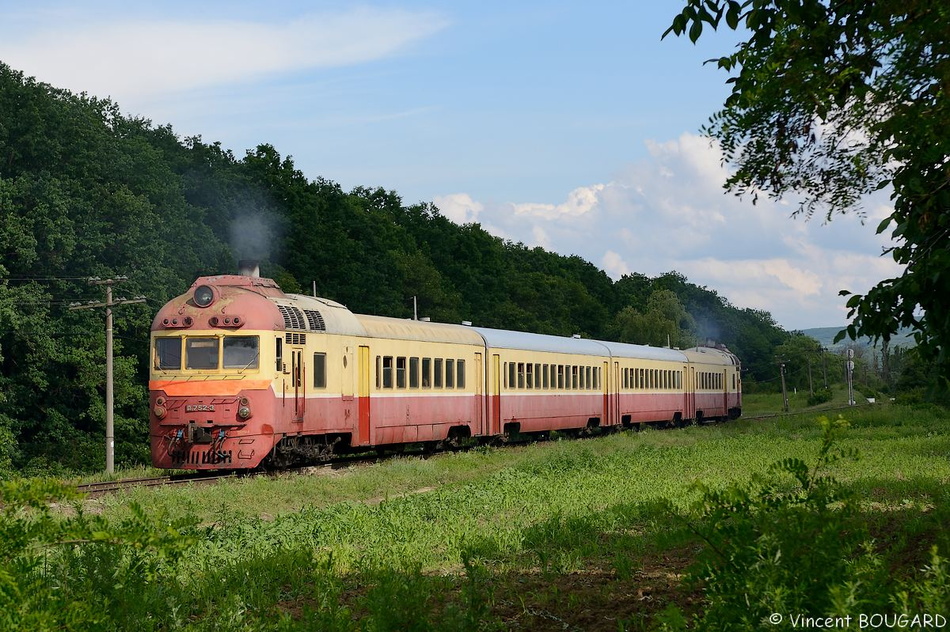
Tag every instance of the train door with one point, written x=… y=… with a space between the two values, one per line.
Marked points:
x=298 y=375
x=479 y=396
x=689 y=406
x=363 y=406
x=348 y=371
x=609 y=418
x=494 y=392
x=725 y=393
x=615 y=389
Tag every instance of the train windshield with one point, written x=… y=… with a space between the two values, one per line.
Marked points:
x=241 y=352
x=207 y=353
x=201 y=353
x=168 y=354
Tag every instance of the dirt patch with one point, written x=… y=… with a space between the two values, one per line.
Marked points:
x=595 y=599
x=377 y=500
x=590 y=600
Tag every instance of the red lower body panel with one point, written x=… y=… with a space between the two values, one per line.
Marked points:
x=208 y=431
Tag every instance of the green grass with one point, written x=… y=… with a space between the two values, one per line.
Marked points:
x=560 y=533
x=771 y=403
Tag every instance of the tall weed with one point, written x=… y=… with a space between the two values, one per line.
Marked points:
x=79 y=572
x=772 y=547
x=794 y=543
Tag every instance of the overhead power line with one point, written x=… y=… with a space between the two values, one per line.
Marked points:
x=28 y=279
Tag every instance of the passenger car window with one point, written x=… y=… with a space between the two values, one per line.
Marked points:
x=319 y=370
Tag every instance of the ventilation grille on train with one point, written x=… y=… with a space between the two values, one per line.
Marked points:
x=315 y=320
x=295 y=318
x=296 y=339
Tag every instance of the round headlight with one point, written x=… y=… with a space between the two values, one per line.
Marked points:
x=204 y=296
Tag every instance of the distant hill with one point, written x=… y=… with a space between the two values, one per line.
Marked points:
x=826 y=335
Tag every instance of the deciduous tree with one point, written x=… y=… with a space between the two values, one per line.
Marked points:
x=834 y=100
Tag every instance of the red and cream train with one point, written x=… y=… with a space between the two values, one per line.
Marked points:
x=242 y=373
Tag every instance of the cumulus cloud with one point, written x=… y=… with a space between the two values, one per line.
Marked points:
x=459 y=207
x=132 y=59
x=580 y=202
x=614 y=265
x=670 y=212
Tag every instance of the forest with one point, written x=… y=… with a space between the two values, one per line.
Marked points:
x=89 y=193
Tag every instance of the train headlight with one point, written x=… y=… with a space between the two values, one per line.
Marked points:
x=204 y=295
x=159 y=409
x=244 y=410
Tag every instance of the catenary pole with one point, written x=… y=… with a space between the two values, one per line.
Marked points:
x=108 y=304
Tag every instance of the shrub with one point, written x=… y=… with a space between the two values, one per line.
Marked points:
x=776 y=551
x=772 y=547
x=820 y=396
x=73 y=573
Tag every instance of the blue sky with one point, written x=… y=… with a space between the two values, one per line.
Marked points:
x=566 y=125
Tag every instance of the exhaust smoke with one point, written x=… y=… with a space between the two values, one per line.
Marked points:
x=249 y=268
x=253 y=235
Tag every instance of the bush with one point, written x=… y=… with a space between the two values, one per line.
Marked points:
x=779 y=550
x=820 y=396
x=75 y=573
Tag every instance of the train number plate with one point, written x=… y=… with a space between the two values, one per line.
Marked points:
x=199 y=408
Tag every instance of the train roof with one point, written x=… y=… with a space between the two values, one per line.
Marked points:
x=504 y=339
x=711 y=355
x=302 y=312
x=421 y=330
x=643 y=352
x=310 y=313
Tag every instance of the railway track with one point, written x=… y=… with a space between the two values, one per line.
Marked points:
x=106 y=487
x=97 y=489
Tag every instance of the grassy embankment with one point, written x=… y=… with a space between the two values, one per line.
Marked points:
x=592 y=534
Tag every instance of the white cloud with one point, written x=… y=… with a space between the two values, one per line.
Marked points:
x=539 y=237
x=580 y=202
x=670 y=212
x=134 y=59
x=614 y=265
x=763 y=274
x=459 y=207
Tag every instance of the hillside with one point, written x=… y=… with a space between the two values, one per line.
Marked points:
x=826 y=335
x=88 y=192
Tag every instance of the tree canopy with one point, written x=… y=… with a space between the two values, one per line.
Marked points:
x=834 y=100
x=87 y=192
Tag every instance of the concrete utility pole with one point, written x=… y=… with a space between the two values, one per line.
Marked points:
x=824 y=365
x=108 y=304
x=784 y=392
x=850 y=368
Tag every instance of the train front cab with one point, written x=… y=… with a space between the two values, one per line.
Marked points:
x=206 y=388
x=211 y=374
